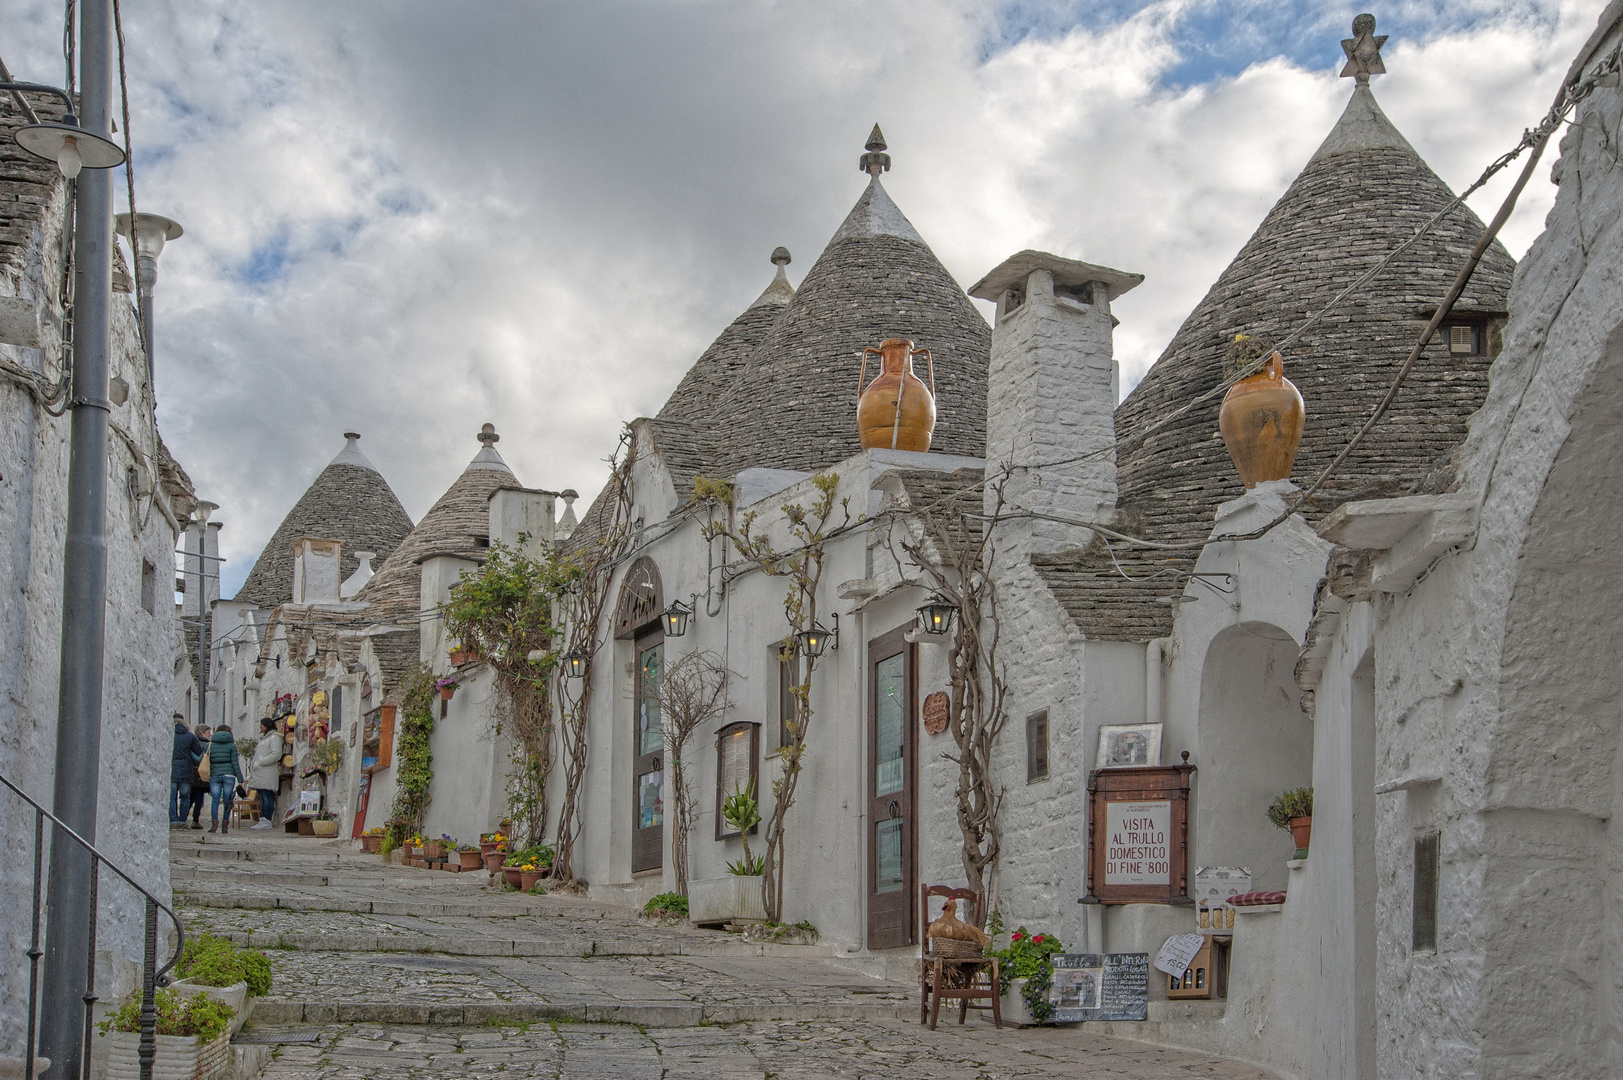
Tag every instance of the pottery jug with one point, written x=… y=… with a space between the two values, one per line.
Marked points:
x=896 y=411
x=1261 y=422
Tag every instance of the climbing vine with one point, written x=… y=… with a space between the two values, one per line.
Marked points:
x=810 y=527
x=504 y=616
x=414 y=753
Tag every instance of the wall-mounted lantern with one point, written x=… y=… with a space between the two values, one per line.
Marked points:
x=812 y=642
x=936 y=615
x=675 y=618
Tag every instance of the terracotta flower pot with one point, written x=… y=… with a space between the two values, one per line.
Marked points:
x=511 y=875
x=446 y=692
x=896 y=411
x=408 y=851
x=1261 y=422
x=528 y=878
x=458 y=657
x=433 y=850
x=371 y=844
x=470 y=859
x=493 y=861
x=1301 y=832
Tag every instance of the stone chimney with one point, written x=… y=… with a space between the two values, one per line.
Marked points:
x=357 y=581
x=525 y=513
x=1051 y=390
x=315 y=571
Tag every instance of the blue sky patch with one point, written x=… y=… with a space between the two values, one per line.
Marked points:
x=266 y=263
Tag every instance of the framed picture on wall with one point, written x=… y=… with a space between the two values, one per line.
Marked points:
x=1127 y=745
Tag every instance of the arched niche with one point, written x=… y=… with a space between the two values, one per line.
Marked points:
x=642 y=598
x=1255 y=742
x=1552 y=830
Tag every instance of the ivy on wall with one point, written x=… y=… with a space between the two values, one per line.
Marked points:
x=414 y=756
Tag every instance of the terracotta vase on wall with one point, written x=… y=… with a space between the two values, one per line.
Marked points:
x=896 y=411
x=1261 y=421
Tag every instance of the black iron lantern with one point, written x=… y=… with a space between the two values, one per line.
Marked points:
x=935 y=616
x=675 y=618
x=575 y=664
x=812 y=642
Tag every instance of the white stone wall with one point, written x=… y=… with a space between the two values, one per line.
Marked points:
x=137 y=730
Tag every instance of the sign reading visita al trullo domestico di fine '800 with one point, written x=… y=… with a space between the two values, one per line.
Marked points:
x=1138 y=835
x=1138 y=843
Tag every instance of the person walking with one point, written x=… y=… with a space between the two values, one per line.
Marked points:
x=224 y=769
x=188 y=752
x=200 y=785
x=266 y=775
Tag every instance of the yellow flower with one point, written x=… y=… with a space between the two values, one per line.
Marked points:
x=528 y=867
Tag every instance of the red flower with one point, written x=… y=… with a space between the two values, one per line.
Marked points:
x=1018 y=936
x=1038 y=940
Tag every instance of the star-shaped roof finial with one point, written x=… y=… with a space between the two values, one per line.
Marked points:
x=875 y=161
x=1363 y=51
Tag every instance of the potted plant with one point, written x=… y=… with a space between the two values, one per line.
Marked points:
x=1293 y=811
x=446 y=686
x=469 y=856
x=1026 y=973
x=193 y=1038
x=434 y=850
x=493 y=841
x=325 y=824
x=372 y=840
x=459 y=655
x=735 y=897
x=528 y=875
x=218 y=968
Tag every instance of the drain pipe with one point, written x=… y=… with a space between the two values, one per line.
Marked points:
x=1154 y=659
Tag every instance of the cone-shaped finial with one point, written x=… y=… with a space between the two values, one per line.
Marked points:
x=1363 y=51
x=487 y=435
x=875 y=161
x=780 y=256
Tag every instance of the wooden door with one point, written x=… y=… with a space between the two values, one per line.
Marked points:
x=648 y=747
x=892 y=791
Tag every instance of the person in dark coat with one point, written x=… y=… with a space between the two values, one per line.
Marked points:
x=224 y=769
x=200 y=786
x=182 y=766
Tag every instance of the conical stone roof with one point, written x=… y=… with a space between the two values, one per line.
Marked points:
x=350 y=501
x=794 y=404
x=1364 y=192
x=458 y=524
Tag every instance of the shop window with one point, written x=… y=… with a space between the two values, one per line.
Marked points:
x=149 y=587
x=1426 y=869
x=1037 y=747
x=737 y=754
x=788 y=679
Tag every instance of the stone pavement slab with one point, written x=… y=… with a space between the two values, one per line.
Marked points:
x=857 y=1049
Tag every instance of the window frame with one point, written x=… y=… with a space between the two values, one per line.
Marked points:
x=1479 y=336
x=1426 y=892
x=723 y=831
x=1038 y=719
x=788 y=676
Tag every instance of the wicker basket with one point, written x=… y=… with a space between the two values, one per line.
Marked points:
x=953 y=949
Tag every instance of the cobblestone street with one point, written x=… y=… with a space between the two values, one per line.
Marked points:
x=384 y=970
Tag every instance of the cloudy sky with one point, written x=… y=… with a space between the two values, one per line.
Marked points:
x=408 y=218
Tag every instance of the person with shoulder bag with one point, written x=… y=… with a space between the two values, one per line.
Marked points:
x=200 y=776
x=266 y=775
x=223 y=770
x=188 y=751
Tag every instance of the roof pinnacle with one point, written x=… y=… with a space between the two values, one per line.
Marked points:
x=487 y=435
x=1363 y=51
x=780 y=256
x=875 y=161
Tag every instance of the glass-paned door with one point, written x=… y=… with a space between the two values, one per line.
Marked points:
x=892 y=796
x=648 y=743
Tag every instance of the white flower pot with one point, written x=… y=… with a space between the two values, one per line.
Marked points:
x=235 y=995
x=179 y=1057
x=730 y=898
x=1013 y=1006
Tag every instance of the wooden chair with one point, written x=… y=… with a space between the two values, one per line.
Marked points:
x=964 y=979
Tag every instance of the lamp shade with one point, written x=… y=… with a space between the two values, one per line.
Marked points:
x=675 y=618
x=70 y=146
x=149 y=233
x=936 y=615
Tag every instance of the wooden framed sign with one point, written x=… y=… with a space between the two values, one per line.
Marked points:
x=1138 y=835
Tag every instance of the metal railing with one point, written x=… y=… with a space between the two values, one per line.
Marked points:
x=152 y=976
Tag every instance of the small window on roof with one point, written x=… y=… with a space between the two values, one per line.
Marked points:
x=481 y=541
x=1464 y=337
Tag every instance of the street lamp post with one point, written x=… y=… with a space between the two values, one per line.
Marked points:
x=147 y=234
x=204 y=509
x=68 y=994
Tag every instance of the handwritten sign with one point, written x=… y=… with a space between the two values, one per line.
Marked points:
x=1100 y=986
x=1138 y=843
x=1175 y=955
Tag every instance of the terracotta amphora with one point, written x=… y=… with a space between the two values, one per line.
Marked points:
x=896 y=411
x=1261 y=421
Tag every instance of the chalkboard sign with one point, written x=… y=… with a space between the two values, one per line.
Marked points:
x=1100 y=986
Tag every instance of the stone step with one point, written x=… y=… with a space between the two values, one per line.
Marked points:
x=258 y=877
x=482 y=1014
x=569 y=948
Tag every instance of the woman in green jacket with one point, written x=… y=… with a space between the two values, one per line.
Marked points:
x=224 y=768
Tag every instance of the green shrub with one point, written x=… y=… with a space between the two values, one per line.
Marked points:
x=215 y=961
x=178 y=1014
x=666 y=903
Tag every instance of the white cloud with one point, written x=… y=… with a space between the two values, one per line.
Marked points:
x=410 y=218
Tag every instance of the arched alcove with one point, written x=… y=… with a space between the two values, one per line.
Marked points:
x=1255 y=742
x=1552 y=840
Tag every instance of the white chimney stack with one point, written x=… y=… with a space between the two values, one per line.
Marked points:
x=357 y=581
x=315 y=571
